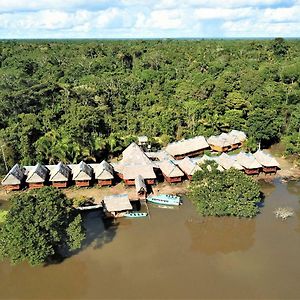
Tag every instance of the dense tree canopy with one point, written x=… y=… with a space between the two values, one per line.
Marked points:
x=227 y=193
x=73 y=100
x=38 y=225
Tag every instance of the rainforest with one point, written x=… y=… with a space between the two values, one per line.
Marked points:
x=72 y=100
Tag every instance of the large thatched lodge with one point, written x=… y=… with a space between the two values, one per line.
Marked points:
x=177 y=162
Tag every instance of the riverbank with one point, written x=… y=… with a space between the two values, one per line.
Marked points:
x=288 y=171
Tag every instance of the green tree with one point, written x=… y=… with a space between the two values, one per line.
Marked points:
x=39 y=224
x=227 y=193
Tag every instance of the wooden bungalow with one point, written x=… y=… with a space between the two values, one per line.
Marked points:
x=269 y=164
x=220 y=143
x=104 y=173
x=140 y=186
x=240 y=136
x=227 y=162
x=37 y=176
x=188 y=167
x=14 y=179
x=190 y=147
x=171 y=172
x=116 y=205
x=249 y=163
x=132 y=171
x=82 y=174
x=135 y=162
x=60 y=175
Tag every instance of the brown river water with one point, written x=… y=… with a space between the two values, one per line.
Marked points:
x=175 y=255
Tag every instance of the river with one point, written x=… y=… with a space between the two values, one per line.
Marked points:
x=175 y=255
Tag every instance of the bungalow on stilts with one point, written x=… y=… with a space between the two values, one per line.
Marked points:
x=135 y=162
x=60 y=175
x=188 y=167
x=37 y=176
x=269 y=164
x=82 y=174
x=190 y=147
x=14 y=179
x=171 y=172
x=250 y=164
x=104 y=173
x=116 y=206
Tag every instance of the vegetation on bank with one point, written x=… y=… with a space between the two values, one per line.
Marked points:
x=78 y=100
x=39 y=225
x=3 y=214
x=227 y=193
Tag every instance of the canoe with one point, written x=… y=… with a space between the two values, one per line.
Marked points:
x=165 y=199
x=135 y=214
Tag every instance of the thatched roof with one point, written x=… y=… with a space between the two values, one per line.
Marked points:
x=119 y=202
x=187 y=146
x=188 y=166
x=223 y=140
x=265 y=159
x=228 y=162
x=135 y=162
x=140 y=184
x=159 y=155
x=169 y=169
x=103 y=171
x=248 y=161
x=14 y=176
x=220 y=141
x=134 y=155
x=132 y=171
x=60 y=173
x=240 y=135
x=37 y=174
x=82 y=171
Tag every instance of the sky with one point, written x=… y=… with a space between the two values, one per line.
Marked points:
x=149 y=19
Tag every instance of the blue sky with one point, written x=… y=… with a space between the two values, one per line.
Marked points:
x=148 y=19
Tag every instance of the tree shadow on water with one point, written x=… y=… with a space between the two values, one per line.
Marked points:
x=99 y=231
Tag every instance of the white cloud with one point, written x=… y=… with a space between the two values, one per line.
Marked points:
x=148 y=18
x=224 y=13
x=285 y=14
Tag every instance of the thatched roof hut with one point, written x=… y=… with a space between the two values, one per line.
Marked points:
x=188 y=166
x=265 y=159
x=169 y=169
x=189 y=147
x=228 y=162
x=60 y=173
x=248 y=161
x=82 y=172
x=117 y=203
x=134 y=155
x=37 y=174
x=103 y=171
x=15 y=176
x=132 y=171
x=240 y=135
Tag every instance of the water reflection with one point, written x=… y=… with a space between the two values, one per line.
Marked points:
x=224 y=235
x=294 y=187
x=99 y=232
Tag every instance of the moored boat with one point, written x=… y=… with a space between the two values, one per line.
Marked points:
x=135 y=214
x=165 y=199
